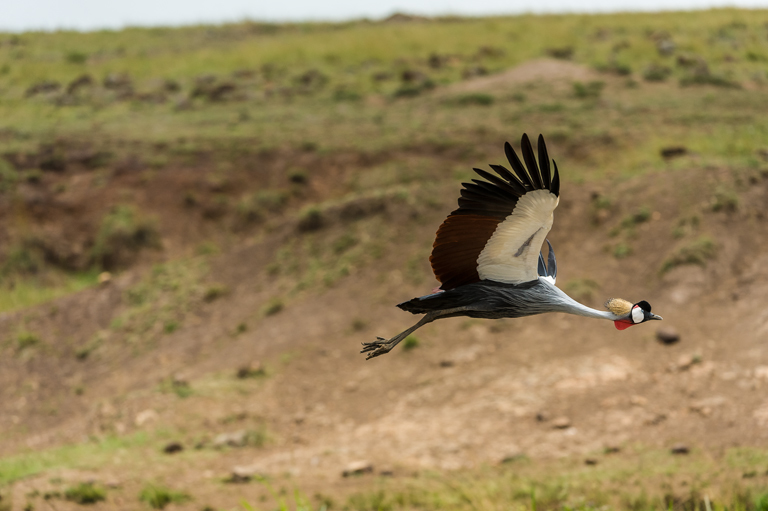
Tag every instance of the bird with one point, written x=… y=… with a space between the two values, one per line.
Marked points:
x=487 y=253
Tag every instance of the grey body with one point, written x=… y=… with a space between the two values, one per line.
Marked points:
x=494 y=300
x=487 y=299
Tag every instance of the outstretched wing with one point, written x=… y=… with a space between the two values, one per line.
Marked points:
x=501 y=223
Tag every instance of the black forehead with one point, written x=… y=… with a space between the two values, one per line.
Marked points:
x=644 y=305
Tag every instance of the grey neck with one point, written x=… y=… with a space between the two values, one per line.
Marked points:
x=569 y=305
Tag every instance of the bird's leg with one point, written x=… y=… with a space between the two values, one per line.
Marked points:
x=382 y=346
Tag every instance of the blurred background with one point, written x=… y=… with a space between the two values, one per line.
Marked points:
x=200 y=223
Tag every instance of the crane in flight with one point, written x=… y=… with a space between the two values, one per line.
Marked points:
x=487 y=256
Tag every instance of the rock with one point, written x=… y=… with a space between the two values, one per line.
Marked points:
x=612 y=449
x=357 y=468
x=447 y=363
x=104 y=278
x=245 y=473
x=665 y=47
x=638 y=401
x=144 y=417
x=81 y=81
x=117 y=81
x=679 y=449
x=233 y=439
x=673 y=152
x=561 y=423
x=251 y=370
x=667 y=335
x=43 y=87
x=542 y=416
x=590 y=461
x=173 y=448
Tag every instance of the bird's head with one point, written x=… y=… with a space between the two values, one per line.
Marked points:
x=629 y=314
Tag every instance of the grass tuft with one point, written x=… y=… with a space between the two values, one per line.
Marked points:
x=697 y=252
x=158 y=497
x=85 y=493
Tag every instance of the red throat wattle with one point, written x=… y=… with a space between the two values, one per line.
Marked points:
x=623 y=324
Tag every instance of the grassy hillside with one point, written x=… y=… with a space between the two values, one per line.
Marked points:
x=199 y=225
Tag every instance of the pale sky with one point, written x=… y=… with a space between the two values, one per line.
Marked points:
x=20 y=15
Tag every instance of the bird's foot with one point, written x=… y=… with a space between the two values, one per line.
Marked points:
x=380 y=346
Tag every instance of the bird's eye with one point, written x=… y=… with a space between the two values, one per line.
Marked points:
x=637 y=314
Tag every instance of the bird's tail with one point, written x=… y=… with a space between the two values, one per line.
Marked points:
x=424 y=304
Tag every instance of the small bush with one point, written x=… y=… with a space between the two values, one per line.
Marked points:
x=215 y=291
x=158 y=496
x=256 y=206
x=477 y=98
x=121 y=235
x=22 y=259
x=85 y=493
x=708 y=79
x=8 y=176
x=725 y=200
x=640 y=216
x=311 y=219
x=591 y=89
x=698 y=252
x=76 y=57
x=656 y=73
x=26 y=340
x=622 y=250
x=346 y=95
x=274 y=306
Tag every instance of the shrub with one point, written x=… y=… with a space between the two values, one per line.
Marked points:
x=656 y=73
x=122 y=234
x=698 y=252
x=158 y=496
x=274 y=306
x=215 y=291
x=26 y=340
x=476 y=98
x=8 y=176
x=85 y=493
x=591 y=89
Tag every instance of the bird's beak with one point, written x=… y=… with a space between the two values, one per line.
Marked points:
x=654 y=316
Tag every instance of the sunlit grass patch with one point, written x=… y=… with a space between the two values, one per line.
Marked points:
x=84 y=455
x=697 y=252
x=31 y=291
x=85 y=493
x=158 y=497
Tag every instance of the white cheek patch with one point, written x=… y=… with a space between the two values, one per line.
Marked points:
x=637 y=314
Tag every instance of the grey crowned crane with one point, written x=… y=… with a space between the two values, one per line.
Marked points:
x=487 y=256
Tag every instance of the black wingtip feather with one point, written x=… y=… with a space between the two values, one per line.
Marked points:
x=555 y=186
x=546 y=176
x=530 y=162
x=517 y=166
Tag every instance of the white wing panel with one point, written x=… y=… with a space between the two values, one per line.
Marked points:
x=511 y=254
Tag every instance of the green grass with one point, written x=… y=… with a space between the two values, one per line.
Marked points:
x=158 y=497
x=697 y=252
x=87 y=455
x=31 y=291
x=85 y=493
